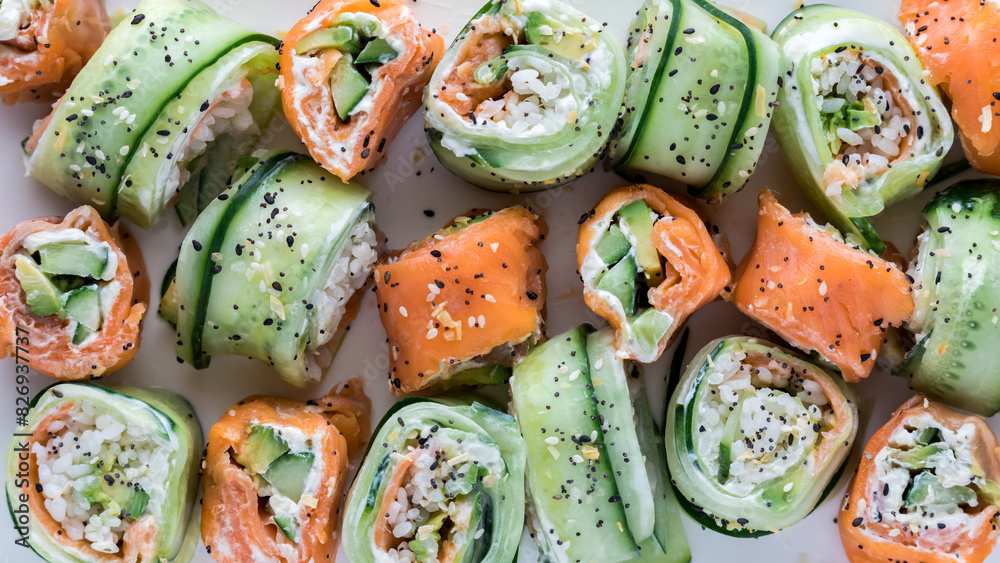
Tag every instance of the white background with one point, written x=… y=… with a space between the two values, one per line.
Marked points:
x=411 y=181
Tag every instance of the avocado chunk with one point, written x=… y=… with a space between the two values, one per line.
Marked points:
x=81 y=334
x=83 y=260
x=170 y=303
x=620 y=282
x=376 y=51
x=613 y=246
x=639 y=219
x=555 y=36
x=288 y=474
x=928 y=436
x=428 y=538
x=927 y=490
x=491 y=71
x=289 y=525
x=348 y=87
x=917 y=458
x=262 y=447
x=41 y=296
x=650 y=327
x=83 y=305
x=462 y=222
x=128 y=496
x=342 y=38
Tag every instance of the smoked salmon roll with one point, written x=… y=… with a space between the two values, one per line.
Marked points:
x=755 y=435
x=352 y=73
x=171 y=100
x=442 y=481
x=105 y=475
x=926 y=489
x=527 y=96
x=806 y=282
x=274 y=477
x=647 y=262
x=75 y=288
x=858 y=122
x=273 y=273
x=464 y=300
x=44 y=44
x=966 y=69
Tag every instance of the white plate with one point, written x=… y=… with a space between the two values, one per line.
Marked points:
x=412 y=181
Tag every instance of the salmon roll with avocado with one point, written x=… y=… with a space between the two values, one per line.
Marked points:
x=526 y=97
x=44 y=44
x=464 y=304
x=77 y=289
x=647 y=262
x=106 y=475
x=926 y=489
x=274 y=477
x=819 y=290
x=352 y=73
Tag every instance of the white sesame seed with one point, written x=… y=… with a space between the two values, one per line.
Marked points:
x=472 y=322
x=304 y=250
x=432 y=333
x=495 y=246
x=822 y=288
x=123 y=151
x=578 y=458
x=552 y=440
x=402 y=311
x=599 y=363
x=482 y=321
x=489 y=298
x=574 y=376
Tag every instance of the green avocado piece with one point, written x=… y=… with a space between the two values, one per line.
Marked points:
x=376 y=51
x=42 y=296
x=343 y=38
x=288 y=474
x=83 y=260
x=620 y=282
x=425 y=545
x=928 y=436
x=83 y=305
x=131 y=498
x=348 y=87
x=916 y=458
x=262 y=447
x=650 y=327
x=637 y=216
x=927 y=490
x=613 y=246
x=555 y=36
x=289 y=525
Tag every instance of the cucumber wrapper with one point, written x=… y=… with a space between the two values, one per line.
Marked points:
x=565 y=49
x=597 y=477
x=955 y=322
x=125 y=126
x=740 y=396
x=699 y=97
x=485 y=457
x=814 y=34
x=254 y=271
x=158 y=503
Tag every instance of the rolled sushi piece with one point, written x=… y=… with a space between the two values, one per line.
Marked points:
x=953 y=324
x=596 y=472
x=964 y=70
x=699 y=97
x=274 y=477
x=755 y=435
x=106 y=474
x=352 y=73
x=647 y=262
x=927 y=489
x=463 y=305
x=271 y=269
x=858 y=122
x=819 y=290
x=171 y=100
x=526 y=97
x=44 y=44
x=443 y=480
x=73 y=292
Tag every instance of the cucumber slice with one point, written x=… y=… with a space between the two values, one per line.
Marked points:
x=343 y=38
x=556 y=36
x=80 y=334
x=262 y=448
x=620 y=282
x=83 y=306
x=288 y=473
x=376 y=51
x=132 y=500
x=927 y=490
x=41 y=295
x=83 y=260
x=638 y=217
x=289 y=525
x=613 y=246
x=650 y=327
x=348 y=87
x=492 y=71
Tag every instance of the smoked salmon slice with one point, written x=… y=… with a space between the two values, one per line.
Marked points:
x=78 y=289
x=275 y=473
x=352 y=73
x=802 y=281
x=467 y=298
x=42 y=52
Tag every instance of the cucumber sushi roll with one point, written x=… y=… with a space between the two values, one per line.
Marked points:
x=76 y=290
x=274 y=476
x=272 y=268
x=755 y=435
x=954 y=325
x=596 y=473
x=699 y=97
x=647 y=262
x=174 y=96
x=443 y=480
x=526 y=97
x=106 y=474
x=858 y=122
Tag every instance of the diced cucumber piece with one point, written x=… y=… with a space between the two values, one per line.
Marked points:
x=81 y=334
x=650 y=327
x=620 y=282
x=83 y=260
x=348 y=87
x=41 y=295
x=491 y=71
x=170 y=304
x=376 y=51
x=425 y=544
x=83 y=305
x=263 y=446
x=288 y=474
x=342 y=38
x=289 y=525
x=114 y=489
x=570 y=42
x=927 y=490
x=916 y=458
x=928 y=435
x=613 y=246
x=639 y=219
x=728 y=437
